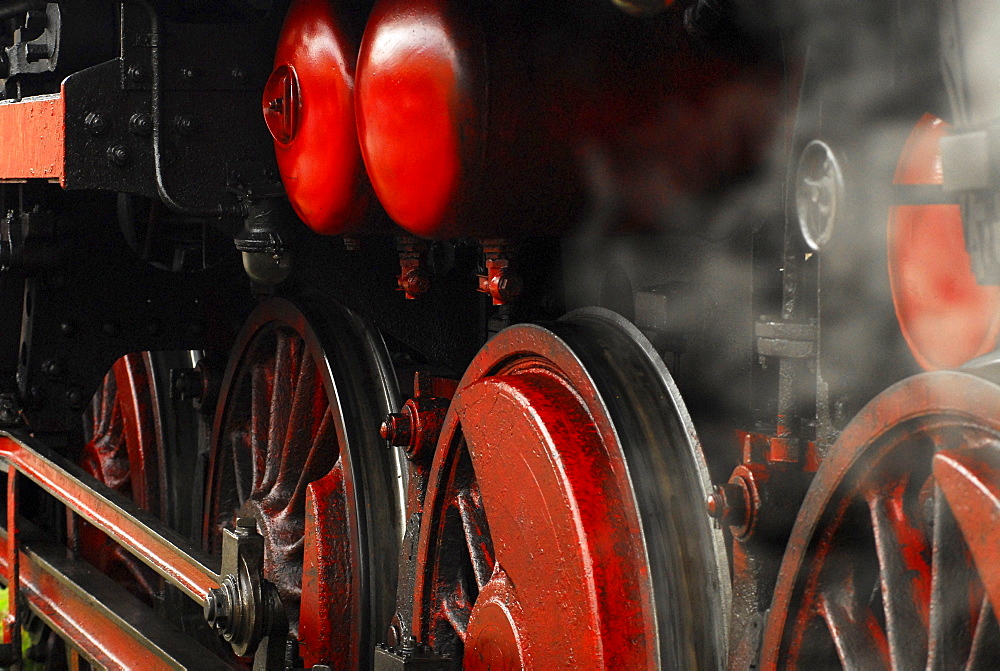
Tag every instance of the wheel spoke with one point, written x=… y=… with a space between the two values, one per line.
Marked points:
x=308 y=411
x=477 y=533
x=259 y=420
x=952 y=574
x=457 y=608
x=322 y=458
x=986 y=640
x=903 y=575
x=276 y=418
x=285 y=374
x=242 y=464
x=858 y=637
x=102 y=407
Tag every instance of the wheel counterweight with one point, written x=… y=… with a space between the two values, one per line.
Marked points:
x=564 y=521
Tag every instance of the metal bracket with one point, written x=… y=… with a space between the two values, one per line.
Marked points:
x=410 y=656
x=245 y=609
x=779 y=338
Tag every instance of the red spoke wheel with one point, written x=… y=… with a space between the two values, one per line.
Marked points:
x=125 y=451
x=295 y=445
x=878 y=573
x=564 y=521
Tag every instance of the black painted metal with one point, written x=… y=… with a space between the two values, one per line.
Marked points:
x=103 y=301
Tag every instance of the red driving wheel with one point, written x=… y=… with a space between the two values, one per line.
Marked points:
x=547 y=539
x=878 y=571
x=295 y=445
x=124 y=450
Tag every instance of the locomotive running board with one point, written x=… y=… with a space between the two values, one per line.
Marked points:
x=73 y=597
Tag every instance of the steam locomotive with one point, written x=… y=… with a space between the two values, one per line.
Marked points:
x=427 y=334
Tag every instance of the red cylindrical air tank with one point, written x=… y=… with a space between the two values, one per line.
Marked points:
x=487 y=119
x=309 y=109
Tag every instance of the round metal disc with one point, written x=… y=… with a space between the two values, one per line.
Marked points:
x=570 y=478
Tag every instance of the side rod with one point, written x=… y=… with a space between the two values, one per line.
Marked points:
x=160 y=548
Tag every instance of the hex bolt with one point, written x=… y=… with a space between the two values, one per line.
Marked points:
x=135 y=74
x=238 y=74
x=409 y=646
x=715 y=504
x=217 y=608
x=9 y=412
x=96 y=123
x=67 y=328
x=118 y=154
x=727 y=503
x=415 y=282
x=509 y=286
x=189 y=74
x=140 y=124
x=244 y=523
x=397 y=429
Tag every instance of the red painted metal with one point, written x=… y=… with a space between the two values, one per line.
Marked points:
x=325 y=613
x=417 y=426
x=309 y=109
x=470 y=125
x=124 y=451
x=970 y=480
x=12 y=573
x=946 y=316
x=529 y=483
x=33 y=130
x=276 y=457
x=877 y=571
x=99 y=621
x=162 y=550
x=420 y=107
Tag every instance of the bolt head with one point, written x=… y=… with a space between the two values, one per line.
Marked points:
x=140 y=124
x=715 y=504
x=118 y=155
x=96 y=123
x=396 y=429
